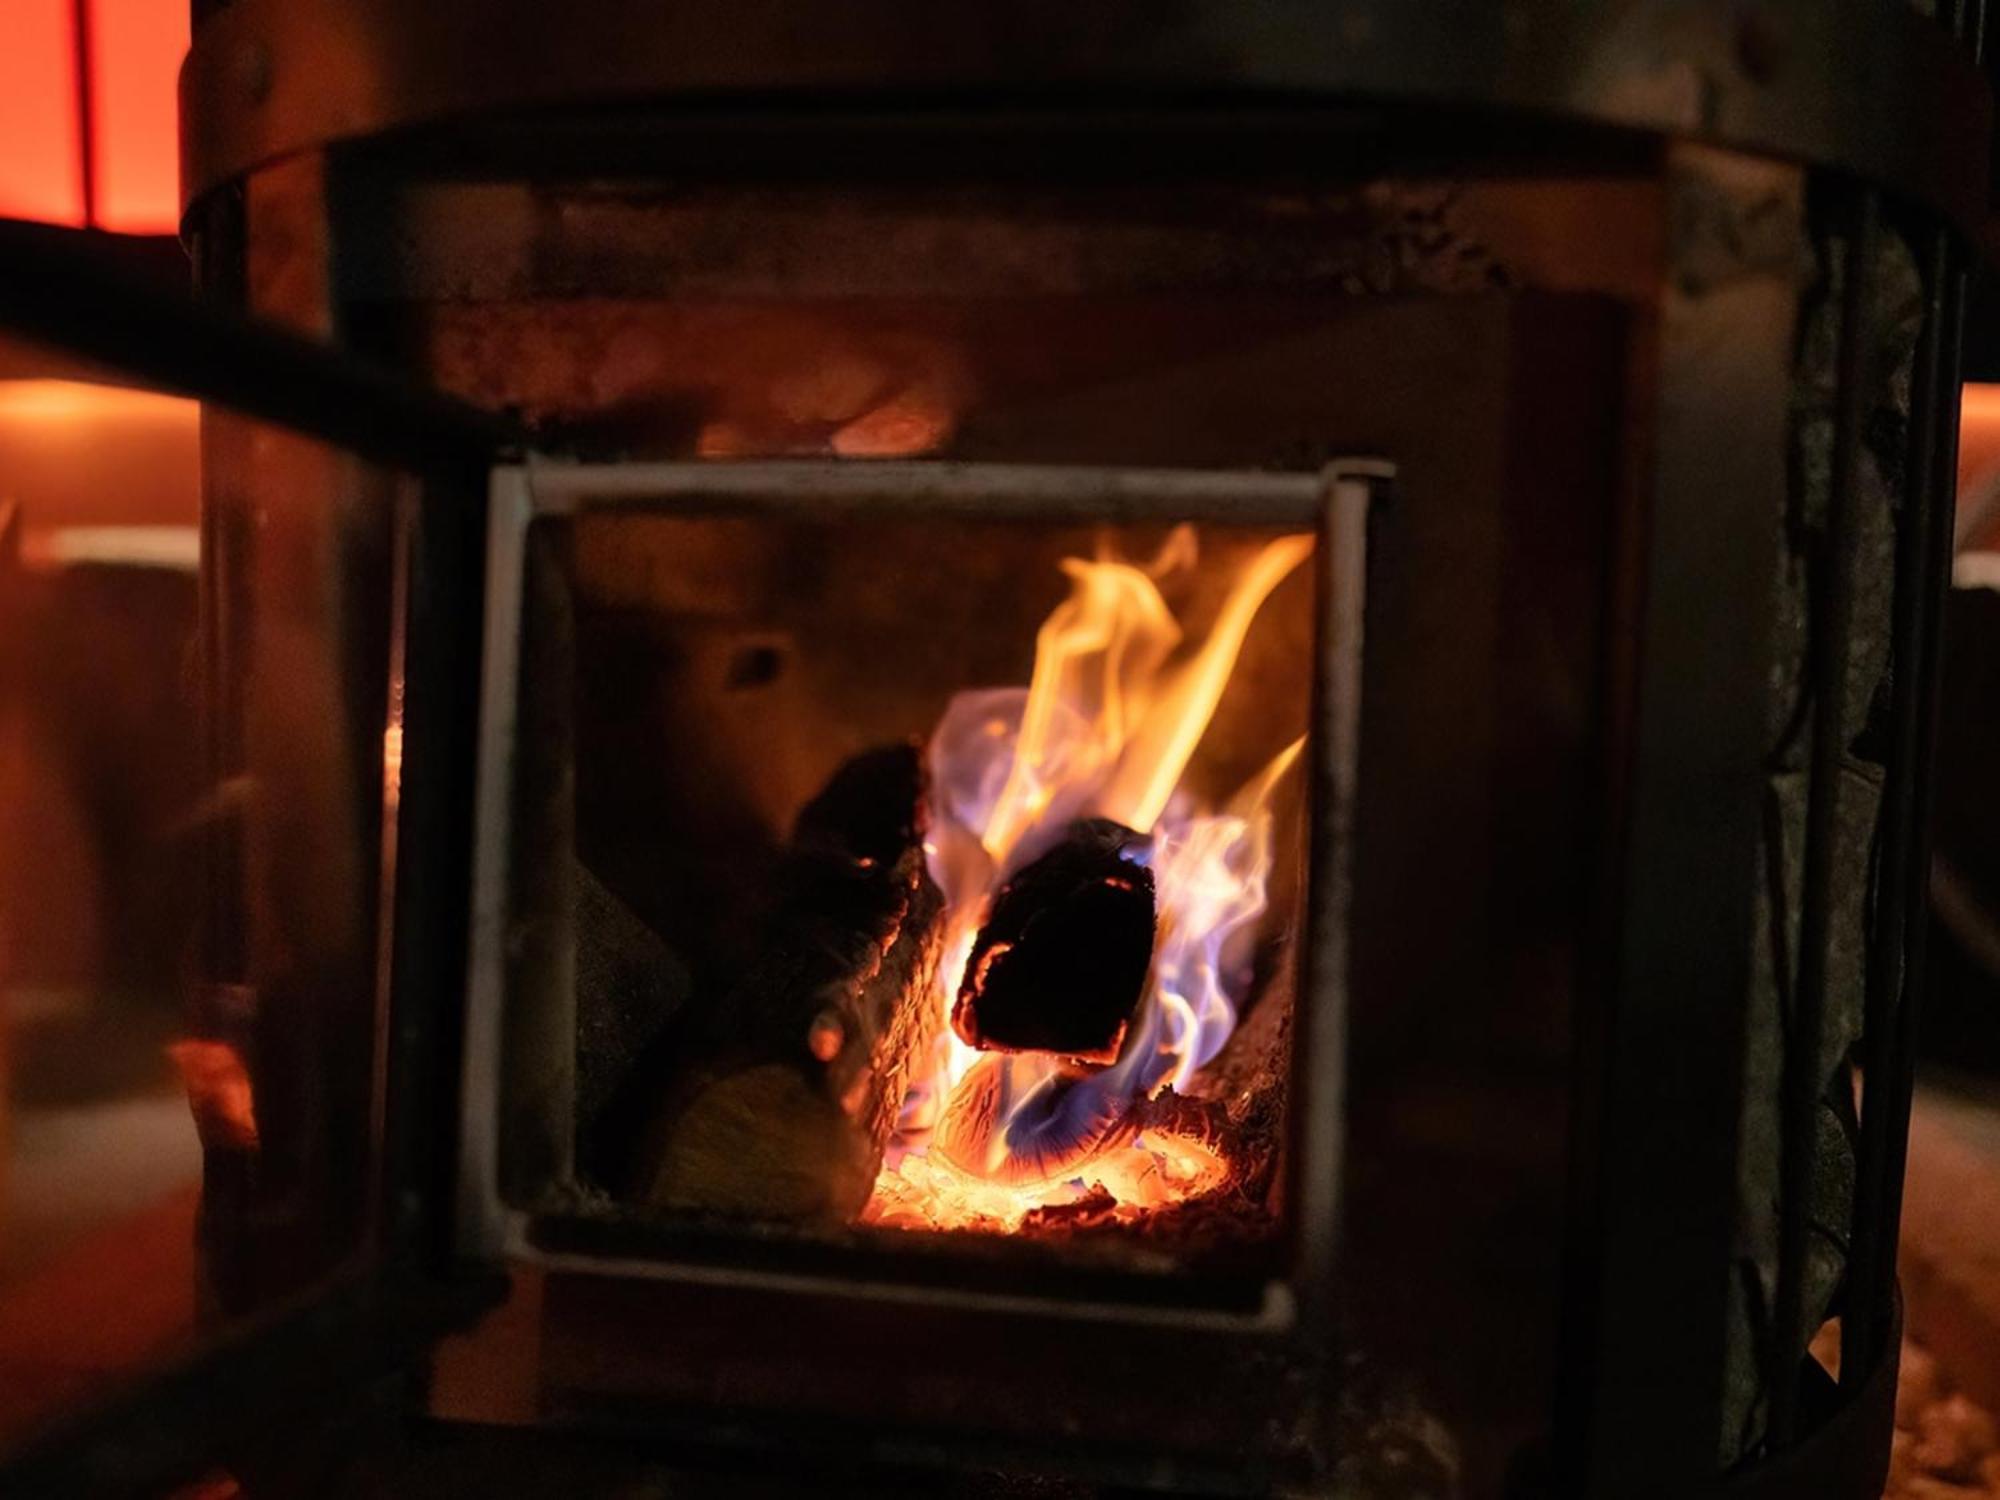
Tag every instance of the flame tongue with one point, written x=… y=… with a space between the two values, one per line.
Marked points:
x=1105 y=729
x=1150 y=767
x=1097 y=660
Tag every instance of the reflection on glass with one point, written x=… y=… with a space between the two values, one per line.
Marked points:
x=194 y=662
x=101 y=1170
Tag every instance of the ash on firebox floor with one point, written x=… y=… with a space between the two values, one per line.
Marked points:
x=1947 y=1446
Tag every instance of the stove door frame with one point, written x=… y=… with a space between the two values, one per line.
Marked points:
x=1335 y=501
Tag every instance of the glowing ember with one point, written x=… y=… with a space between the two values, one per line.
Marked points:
x=1105 y=729
x=927 y=1191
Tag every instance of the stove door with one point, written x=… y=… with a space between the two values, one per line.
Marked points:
x=235 y=752
x=752 y=734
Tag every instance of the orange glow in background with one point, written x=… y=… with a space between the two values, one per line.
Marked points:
x=1978 y=528
x=135 y=48
x=41 y=131
x=73 y=454
x=1979 y=433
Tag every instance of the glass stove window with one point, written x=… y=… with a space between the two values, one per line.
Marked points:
x=914 y=875
x=191 y=798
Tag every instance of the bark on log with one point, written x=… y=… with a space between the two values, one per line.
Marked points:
x=1060 y=965
x=789 y=1086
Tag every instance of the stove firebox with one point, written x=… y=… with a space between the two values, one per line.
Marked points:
x=854 y=932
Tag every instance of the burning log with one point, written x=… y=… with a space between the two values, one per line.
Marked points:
x=793 y=1079
x=1008 y=1123
x=1060 y=965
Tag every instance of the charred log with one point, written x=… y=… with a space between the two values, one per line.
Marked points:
x=788 y=1085
x=1060 y=965
x=629 y=986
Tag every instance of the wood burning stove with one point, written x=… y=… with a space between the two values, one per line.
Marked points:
x=1171 y=750
x=1130 y=1201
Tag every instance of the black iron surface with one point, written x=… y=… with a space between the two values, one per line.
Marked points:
x=62 y=288
x=269 y=78
x=1845 y=1455
x=1661 y=1066
x=438 y=689
x=1930 y=667
x=1832 y=606
x=1886 y=1038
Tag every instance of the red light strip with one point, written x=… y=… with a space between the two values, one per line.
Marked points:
x=136 y=47
x=41 y=158
x=88 y=132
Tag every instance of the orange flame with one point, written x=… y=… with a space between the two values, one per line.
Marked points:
x=1105 y=728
